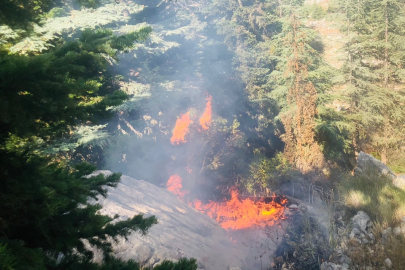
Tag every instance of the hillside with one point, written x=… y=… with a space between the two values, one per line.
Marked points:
x=267 y=134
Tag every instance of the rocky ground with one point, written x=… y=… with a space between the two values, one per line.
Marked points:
x=184 y=232
x=313 y=236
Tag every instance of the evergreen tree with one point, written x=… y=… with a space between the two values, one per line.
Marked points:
x=300 y=144
x=374 y=74
x=20 y=13
x=43 y=97
x=45 y=213
x=294 y=85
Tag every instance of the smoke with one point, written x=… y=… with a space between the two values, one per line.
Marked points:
x=182 y=81
x=188 y=126
x=205 y=120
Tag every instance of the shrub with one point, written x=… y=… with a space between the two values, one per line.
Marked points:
x=268 y=172
x=56 y=12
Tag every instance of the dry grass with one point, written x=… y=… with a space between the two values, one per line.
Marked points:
x=376 y=195
x=373 y=256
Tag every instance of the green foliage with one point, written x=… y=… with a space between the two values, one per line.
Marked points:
x=20 y=13
x=89 y=3
x=76 y=71
x=7 y=260
x=59 y=215
x=333 y=135
x=182 y=264
x=374 y=72
x=124 y=42
x=268 y=172
x=397 y=162
x=55 y=12
x=45 y=212
x=112 y=263
x=17 y=256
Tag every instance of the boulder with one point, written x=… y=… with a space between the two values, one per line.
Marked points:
x=397 y=231
x=400 y=181
x=182 y=231
x=366 y=162
x=361 y=221
x=388 y=263
x=333 y=266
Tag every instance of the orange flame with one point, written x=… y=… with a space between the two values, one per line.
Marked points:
x=205 y=119
x=175 y=186
x=181 y=129
x=238 y=214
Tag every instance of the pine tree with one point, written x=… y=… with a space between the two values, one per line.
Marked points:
x=374 y=74
x=20 y=13
x=45 y=212
x=45 y=96
x=293 y=84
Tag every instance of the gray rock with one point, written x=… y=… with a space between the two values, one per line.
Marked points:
x=397 y=231
x=361 y=221
x=182 y=231
x=399 y=181
x=333 y=266
x=388 y=263
x=293 y=207
x=386 y=235
x=368 y=163
x=356 y=233
x=371 y=236
x=344 y=260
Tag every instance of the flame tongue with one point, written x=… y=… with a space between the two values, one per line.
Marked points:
x=234 y=214
x=181 y=129
x=238 y=214
x=175 y=186
x=205 y=119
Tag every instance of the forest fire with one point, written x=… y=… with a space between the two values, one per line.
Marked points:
x=239 y=213
x=181 y=129
x=175 y=186
x=205 y=119
x=235 y=213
